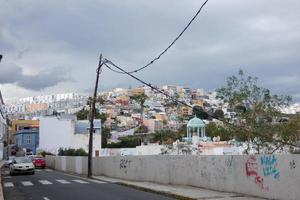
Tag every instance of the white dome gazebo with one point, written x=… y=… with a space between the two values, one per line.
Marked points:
x=195 y=130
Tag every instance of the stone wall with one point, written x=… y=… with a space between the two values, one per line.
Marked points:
x=269 y=176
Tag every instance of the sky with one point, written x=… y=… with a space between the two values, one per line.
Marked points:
x=53 y=46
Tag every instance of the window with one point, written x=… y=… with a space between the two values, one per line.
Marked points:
x=28 y=139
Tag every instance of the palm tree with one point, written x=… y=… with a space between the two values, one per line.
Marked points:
x=140 y=99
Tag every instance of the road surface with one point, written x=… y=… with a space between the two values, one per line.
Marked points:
x=47 y=184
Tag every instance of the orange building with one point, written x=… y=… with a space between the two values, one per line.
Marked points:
x=18 y=125
x=33 y=107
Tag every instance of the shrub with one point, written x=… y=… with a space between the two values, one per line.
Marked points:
x=72 y=152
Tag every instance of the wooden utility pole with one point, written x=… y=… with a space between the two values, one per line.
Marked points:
x=92 y=116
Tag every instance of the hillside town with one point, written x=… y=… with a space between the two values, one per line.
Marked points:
x=154 y=122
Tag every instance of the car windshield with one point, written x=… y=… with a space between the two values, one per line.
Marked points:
x=22 y=160
x=11 y=157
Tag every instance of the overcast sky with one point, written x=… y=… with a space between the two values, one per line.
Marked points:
x=52 y=46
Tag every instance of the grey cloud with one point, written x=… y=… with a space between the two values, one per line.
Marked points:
x=260 y=37
x=13 y=74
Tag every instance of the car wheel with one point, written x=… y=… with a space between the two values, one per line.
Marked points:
x=32 y=172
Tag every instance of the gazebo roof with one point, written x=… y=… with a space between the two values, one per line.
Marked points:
x=195 y=123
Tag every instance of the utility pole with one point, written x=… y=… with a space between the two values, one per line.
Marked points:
x=92 y=115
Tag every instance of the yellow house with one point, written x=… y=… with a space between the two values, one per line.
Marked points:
x=17 y=125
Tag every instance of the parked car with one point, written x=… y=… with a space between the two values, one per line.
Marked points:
x=39 y=161
x=9 y=161
x=21 y=165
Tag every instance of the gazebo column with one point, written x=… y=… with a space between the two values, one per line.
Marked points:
x=187 y=133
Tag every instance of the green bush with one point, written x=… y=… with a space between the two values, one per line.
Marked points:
x=72 y=152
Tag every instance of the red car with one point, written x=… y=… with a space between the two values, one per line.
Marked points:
x=39 y=161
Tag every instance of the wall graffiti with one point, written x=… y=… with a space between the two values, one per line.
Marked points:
x=262 y=168
x=229 y=161
x=292 y=164
x=252 y=170
x=125 y=164
x=269 y=166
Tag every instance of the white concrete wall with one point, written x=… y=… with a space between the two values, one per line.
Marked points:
x=55 y=133
x=76 y=164
x=268 y=176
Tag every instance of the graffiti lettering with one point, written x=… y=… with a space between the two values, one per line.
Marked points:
x=124 y=164
x=252 y=171
x=229 y=161
x=292 y=164
x=269 y=164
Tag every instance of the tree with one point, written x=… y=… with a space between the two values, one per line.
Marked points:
x=83 y=114
x=140 y=99
x=256 y=110
x=126 y=142
x=105 y=135
x=219 y=114
x=200 y=112
x=214 y=130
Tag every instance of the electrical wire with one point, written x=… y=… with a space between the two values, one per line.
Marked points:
x=106 y=62
x=169 y=46
x=148 y=84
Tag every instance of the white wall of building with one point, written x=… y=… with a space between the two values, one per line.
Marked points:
x=58 y=133
x=55 y=133
x=3 y=126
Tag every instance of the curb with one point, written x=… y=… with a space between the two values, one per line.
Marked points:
x=168 y=194
x=1 y=186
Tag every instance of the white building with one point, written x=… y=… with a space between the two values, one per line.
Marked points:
x=58 y=133
x=3 y=126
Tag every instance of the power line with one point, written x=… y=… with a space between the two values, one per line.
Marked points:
x=140 y=80
x=106 y=62
x=169 y=46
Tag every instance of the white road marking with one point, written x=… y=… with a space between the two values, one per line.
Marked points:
x=46 y=198
x=45 y=182
x=63 y=181
x=49 y=170
x=8 y=184
x=27 y=183
x=80 y=181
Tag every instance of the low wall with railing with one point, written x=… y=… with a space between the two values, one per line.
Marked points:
x=269 y=176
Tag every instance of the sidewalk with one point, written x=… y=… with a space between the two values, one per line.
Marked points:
x=1 y=189
x=177 y=191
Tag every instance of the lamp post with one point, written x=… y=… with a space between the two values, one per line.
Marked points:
x=92 y=115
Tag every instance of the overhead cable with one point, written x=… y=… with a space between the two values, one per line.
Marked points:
x=107 y=62
x=169 y=46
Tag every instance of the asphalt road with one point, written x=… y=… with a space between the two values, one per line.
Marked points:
x=47 y=184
